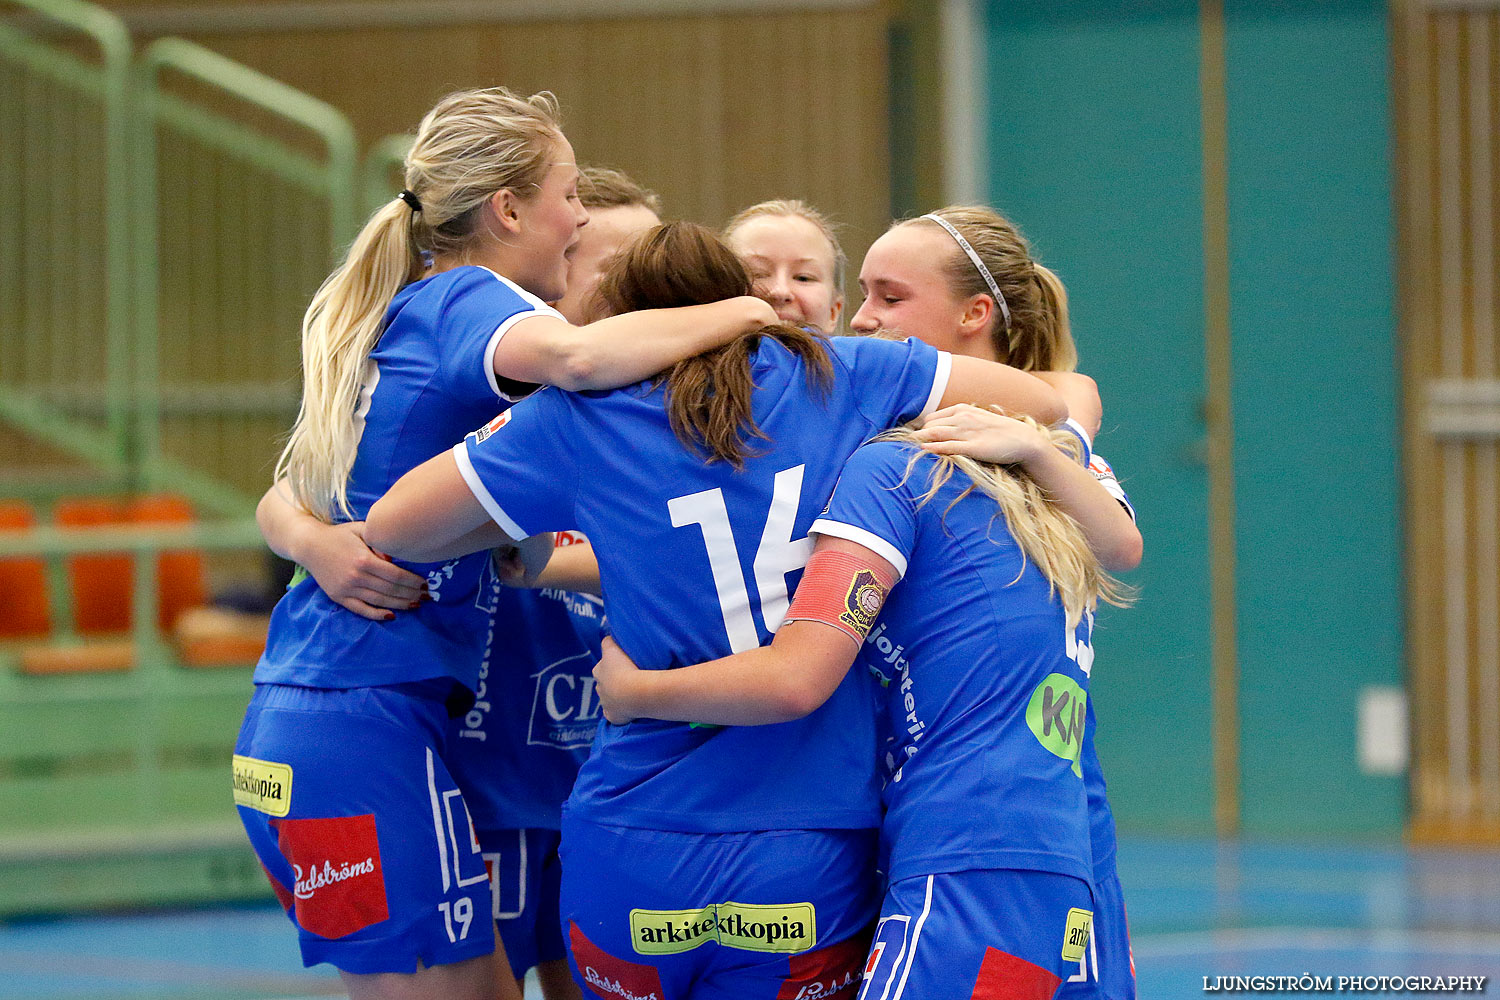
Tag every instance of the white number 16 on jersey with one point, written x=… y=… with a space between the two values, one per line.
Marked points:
x=776 y=556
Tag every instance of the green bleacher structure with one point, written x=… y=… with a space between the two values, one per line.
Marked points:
x=169 y=214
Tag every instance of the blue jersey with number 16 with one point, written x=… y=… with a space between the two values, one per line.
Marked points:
x=696 y=561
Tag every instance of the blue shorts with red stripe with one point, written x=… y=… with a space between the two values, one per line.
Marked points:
x=764 y=915
x=1107 y=972
x=992 y=934
x=525 y=875
x=360 y=827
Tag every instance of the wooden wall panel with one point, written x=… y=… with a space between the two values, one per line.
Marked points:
x=1448 y=69
x=714 y=112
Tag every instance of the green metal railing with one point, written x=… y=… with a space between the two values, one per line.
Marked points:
x=64 y=238
x=217 y=348
x=120 y=772
x=382 y=171
x=167 y=220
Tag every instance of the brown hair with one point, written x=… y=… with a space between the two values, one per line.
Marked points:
x=602 y=187
x=709 y=397
x=1038 y=338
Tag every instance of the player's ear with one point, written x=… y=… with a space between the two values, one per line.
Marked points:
x=505 y=207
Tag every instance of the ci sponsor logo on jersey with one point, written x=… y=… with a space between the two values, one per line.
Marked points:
x=262 y=785
x=565 y=709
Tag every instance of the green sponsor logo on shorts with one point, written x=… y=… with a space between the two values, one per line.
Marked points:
x=1076 y=934
x=1056 y=715
x=780 y=928
x=263 y=785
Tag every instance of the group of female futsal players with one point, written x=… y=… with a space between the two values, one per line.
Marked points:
x=760 y=516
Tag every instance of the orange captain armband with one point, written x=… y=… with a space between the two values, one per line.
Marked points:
x=843 y=590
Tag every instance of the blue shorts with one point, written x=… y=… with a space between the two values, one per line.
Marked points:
x=525 y=876
x=734 y=916
x=360 y=828
x=994 y=934
x=1108 y=971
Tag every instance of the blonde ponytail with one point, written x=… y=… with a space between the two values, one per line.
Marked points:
x=1038 y=337
x=338 y=333
x=469 y=146
x=1046 y=535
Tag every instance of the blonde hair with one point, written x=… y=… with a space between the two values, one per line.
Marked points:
x=1038 y=337
x=472 y=144
x=710 y=397
x=603 y=187
x=796 y=208
x=1046 y=534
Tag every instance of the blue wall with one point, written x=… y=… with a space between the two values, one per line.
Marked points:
x=1095 y=149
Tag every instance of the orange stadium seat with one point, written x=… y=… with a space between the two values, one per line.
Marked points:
x=100 y=585
x=181 y=580
x=23 y=581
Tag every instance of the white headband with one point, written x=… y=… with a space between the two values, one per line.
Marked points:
x=984 y=272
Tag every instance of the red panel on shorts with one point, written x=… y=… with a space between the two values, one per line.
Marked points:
x=827 y=972
x=1003 y=976
x=340 y=885
x=611 y=977
x=283 y=894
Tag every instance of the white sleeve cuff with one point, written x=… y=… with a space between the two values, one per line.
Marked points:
x=939 y=382
x=500 y=331
x=482 y=492
x=861 y=536
x=1088 y=445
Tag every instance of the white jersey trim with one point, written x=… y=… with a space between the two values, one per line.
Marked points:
x=939 y=382
x=482 y=492
x=1106 y=476
x=861 y=536
x=538 y=308
x=916 y=935
x=1088 y=442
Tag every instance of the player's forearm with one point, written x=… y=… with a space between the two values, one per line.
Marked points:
x=286 y=528
x=430 y=514
x=633 y=346
x=1081 y=394
x=755 y=688
x=573 y=567
x=1110 y=532
x=986 y=383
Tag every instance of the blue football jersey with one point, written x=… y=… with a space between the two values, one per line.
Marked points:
x=517 y=750
x=429 y=381
x=696 y=561
x=986 y=686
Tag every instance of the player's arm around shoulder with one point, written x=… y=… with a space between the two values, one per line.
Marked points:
x=988 y=436
x=624 y=349
x=431 y=514
x=352 y=574
x=789 y=679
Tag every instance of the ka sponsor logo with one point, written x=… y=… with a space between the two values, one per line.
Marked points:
x=262 y=785
x=1056 y=715
x=782 y=929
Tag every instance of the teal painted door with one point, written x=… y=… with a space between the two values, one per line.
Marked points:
x=1094 y=150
